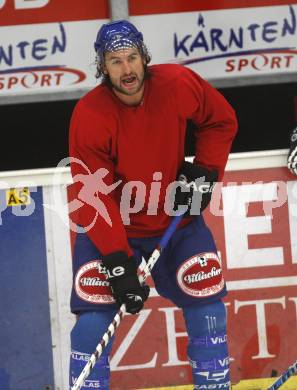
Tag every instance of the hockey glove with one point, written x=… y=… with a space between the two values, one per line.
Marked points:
x=195 y=188
x=121 y=272
x=292 y=156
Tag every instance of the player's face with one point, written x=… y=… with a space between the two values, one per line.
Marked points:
x=125 y=69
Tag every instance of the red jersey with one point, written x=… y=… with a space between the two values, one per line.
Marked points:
x=139 y=149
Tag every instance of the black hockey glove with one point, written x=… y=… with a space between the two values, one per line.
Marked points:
x=195 y=188
x=121 y=272
x=292 y=156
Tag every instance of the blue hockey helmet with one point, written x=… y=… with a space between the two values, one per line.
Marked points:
x=117 y=35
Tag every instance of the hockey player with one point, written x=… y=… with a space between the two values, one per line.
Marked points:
x=127 y=146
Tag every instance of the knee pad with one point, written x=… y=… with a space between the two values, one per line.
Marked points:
x=207 y=346
x=85 y=335
x=89 y=329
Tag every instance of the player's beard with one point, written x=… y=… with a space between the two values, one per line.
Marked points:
x=139 y=80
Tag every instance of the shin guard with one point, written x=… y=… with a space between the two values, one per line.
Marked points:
x=207 y=348
x=85 y=335
x=99 y=376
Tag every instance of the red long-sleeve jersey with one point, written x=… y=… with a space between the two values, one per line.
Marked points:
x=139 y=149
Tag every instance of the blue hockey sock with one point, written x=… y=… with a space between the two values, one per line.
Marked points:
x=207 y=347
x=85 y=335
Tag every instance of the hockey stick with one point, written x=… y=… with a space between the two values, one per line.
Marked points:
x=118 y=317
x=285 y=376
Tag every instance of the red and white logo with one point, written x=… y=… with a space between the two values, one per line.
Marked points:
x=91 y=283
x=201 y=275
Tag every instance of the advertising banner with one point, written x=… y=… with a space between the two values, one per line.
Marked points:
x=145 y=7
x=254 y=222
x=25 y=333
x=47 y=47
x=224 y=43
x=255 y=228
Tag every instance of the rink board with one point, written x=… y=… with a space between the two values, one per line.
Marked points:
x=259 y=253
x=25 y=333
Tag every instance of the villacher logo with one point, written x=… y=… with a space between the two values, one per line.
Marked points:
x=201 y=275
x=91 y=283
